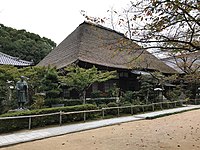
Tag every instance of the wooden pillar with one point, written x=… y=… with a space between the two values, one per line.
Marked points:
x=60 y=120
x=29 y=123
x=84 y=116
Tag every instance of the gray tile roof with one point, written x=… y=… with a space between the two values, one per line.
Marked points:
x=102 y=46
x=9 y=60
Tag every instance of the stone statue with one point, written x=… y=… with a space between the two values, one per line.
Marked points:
x=22 y=92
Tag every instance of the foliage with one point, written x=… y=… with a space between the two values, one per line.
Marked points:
x=8 y=76
x=81 y=79
x=192 y=78
x=38 y=79
x=50 y=110
x=130 y=97
x=38 y=102
x=146 y=93
x=169 y=27
x=158 y=24
x=148 y=83
x=34 y=75
x=43 y=80
x=23 y=44
x=187 y=63
x=174 y=93
x=112 y=104
x=52 y=101
x=187 y=83
x=193 y=83
x=95 y=94
x=114 y=91
x=73 y=103
x=50 y=83
x=112 y=111
x=102 y=106
x=101 y=101
x=17 y=124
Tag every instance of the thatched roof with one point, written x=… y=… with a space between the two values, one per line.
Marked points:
x=102 y=46
x=10 y=60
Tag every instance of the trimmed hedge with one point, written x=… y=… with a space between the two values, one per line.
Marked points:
x=17 y=124
x=50 y=110
x=96 y=101
x=22 y=123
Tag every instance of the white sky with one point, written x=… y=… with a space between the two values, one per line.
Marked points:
x=54 y=19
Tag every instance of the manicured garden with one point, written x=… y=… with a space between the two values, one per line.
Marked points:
x=46 y=90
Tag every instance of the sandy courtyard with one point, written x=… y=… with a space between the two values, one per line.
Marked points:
x=180 y=131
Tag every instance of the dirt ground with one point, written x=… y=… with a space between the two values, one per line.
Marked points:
x=180 y=131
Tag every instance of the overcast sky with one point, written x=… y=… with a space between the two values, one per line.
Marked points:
x=54 y=19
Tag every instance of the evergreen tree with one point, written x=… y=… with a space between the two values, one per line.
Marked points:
x=23 y=44
x=81 y=79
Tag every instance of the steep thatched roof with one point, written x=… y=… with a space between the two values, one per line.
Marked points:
x=102 y=46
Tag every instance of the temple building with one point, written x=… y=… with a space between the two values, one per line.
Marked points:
x=94 y=45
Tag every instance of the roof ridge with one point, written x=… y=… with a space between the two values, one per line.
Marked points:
x=105 y=28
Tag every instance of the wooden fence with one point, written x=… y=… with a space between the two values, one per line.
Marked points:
x=103 y=110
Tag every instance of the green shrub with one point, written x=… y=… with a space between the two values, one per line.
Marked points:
x=128 y=96
x=165 y=105
x=94 y=101
x=38 y=102
x=102 y=106
x=147 y=108
x=95 y=94
x=17 y=124
x=72 y=103
x=173 y=94
x=100 y=101
x=51 y=101
x=112 y=111
x=137 y=110
x=112 y=104
x=126 y=110
x=157 y=106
